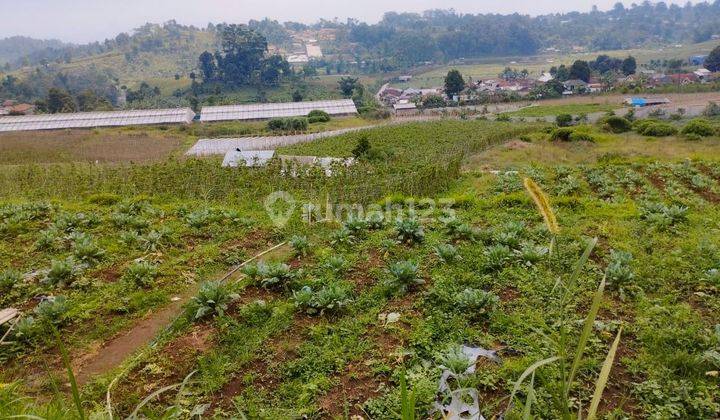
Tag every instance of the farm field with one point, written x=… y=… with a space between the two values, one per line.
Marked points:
x=453 y=285
x=572 y=109
x=492 y=67
x=140 y=144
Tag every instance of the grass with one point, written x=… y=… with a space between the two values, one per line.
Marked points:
x=572 y=109
x=376 y=349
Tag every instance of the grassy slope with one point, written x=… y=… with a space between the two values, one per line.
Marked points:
x=273 y=360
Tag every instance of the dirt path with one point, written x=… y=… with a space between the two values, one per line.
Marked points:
x=115 y=351
x=112 y=353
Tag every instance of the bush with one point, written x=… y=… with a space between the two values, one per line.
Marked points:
x=581 y=136
x=142 y=273
x=712 y=110
x=616 y=124
x=654 y=128
x=564 y=120
x=288 y=124
x=317 y=115
x=503 y=118
x=562 y=134
x=104 y=199
x=212 y=299
x=699 y=127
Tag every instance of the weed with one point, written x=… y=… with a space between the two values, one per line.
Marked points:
x=9 y=278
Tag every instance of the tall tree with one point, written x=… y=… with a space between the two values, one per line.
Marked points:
x=347 y=85
x=629 y=66
x=454 y=83
x=712 y=62
x=580 y=70
x=59 y=101
x=208 y=68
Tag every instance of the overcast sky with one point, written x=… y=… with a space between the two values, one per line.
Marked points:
x=94 y=20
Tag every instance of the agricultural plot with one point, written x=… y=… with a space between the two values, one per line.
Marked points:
x=455 y=292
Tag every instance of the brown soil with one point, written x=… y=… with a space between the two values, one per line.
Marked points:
x=115 y=351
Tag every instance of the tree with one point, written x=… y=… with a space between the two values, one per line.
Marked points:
x=362 y=148
x=712 y=62
x=454 y=83
x=208 y=68
x=347 y=85
x=297 y=96
x=580 y=70
x=59 y=100
x=629 y=66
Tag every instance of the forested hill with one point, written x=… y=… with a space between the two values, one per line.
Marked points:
x=401 y=38
x=13 y=49
x=442 y=34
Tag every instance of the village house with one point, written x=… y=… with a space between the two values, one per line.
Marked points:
x=405 y=108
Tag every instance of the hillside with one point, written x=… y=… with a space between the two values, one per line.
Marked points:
x=13 y=49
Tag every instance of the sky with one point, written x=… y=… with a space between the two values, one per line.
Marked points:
x=83 y=21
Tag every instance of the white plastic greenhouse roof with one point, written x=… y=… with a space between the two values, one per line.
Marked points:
x=96 y=119
x=276 y=110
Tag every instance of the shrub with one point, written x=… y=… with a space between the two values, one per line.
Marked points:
x=580 y=136
x=404 y=275
x=409 y=231
x=447 y=253
x=564 y=120
x=104 y=199
x=712 y=110
x=212 y=299
x=616 y=124
x=476 y=301
x=317 y=115
x=657 y=129
x=562 y=134
x=288 y=124
x=9 y=278
x=699 y=127
x=362 y=148
x=331 y=298
x=141 y=273
x=300 y=245
x=503 y=118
